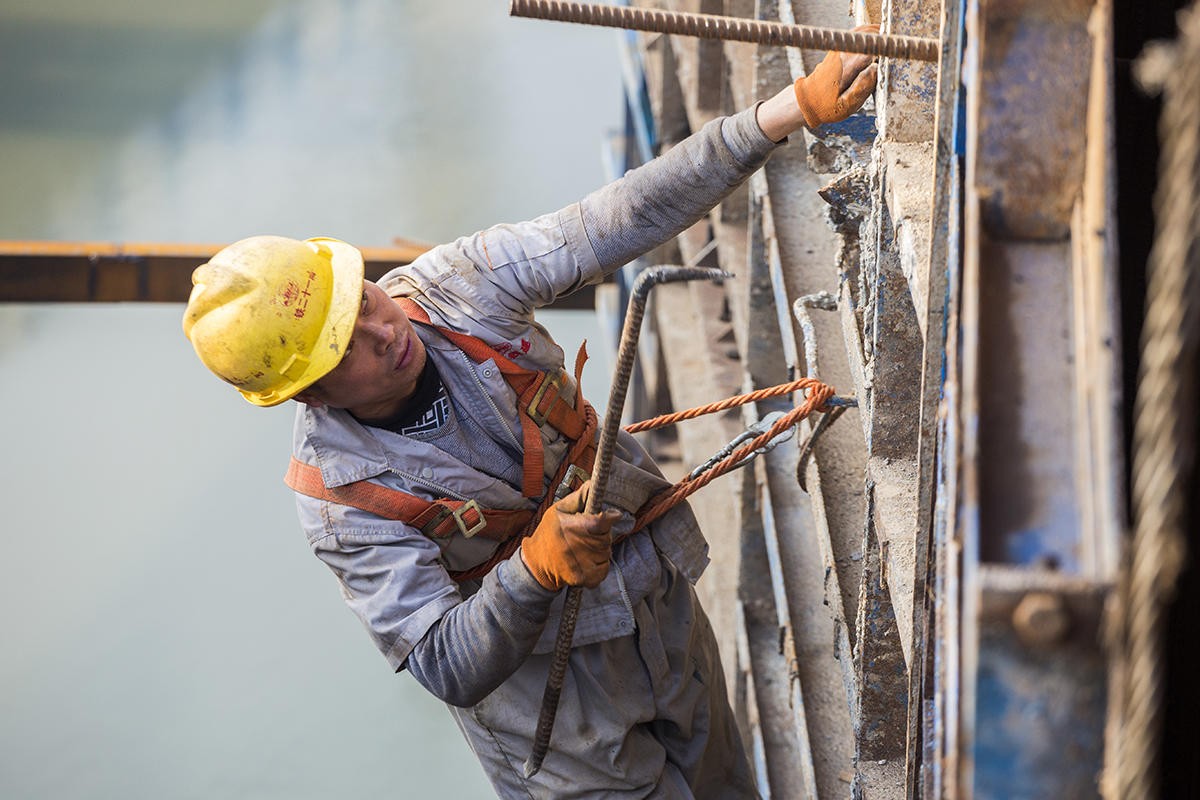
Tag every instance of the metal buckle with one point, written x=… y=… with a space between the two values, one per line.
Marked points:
x=463 y=527
x=753 y=432
x=566 y=487
x=549 y=381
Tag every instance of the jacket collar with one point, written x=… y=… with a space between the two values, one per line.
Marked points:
x=345 y=450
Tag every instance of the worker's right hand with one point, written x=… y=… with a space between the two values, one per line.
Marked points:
x=838 y=86
x=569 y=547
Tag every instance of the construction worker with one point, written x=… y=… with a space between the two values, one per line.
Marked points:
x=436 y=420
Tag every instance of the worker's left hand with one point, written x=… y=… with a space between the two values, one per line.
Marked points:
x=569 y=547
x=838 y=86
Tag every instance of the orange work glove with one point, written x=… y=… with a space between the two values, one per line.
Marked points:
x=568 y=547
x=838 y=86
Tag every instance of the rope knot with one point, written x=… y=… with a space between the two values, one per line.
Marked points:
x=820 y=394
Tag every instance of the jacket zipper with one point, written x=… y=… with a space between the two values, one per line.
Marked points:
x=495 y=410
x=437 y=489
x=624 y=592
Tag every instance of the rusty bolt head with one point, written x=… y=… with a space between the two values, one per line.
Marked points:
x=1041 y=619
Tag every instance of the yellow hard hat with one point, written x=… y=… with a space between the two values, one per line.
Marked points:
x=272 y=315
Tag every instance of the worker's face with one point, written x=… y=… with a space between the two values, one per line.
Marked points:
x=381 y=367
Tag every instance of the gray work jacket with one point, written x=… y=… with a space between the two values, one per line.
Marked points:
x=488 y=285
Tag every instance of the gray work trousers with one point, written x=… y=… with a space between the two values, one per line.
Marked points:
x=640 y=716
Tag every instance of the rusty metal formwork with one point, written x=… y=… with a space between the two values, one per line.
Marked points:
x=916 y=597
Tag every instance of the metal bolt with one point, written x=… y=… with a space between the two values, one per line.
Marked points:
x=1041 y=619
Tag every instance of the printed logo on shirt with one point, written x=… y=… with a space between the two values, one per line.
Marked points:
x=434 y=418
x=511 y=350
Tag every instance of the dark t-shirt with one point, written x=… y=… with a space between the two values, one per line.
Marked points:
x=425 y=411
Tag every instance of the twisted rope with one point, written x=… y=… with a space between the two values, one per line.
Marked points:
x=1164 y=429
x=818 y=399
x=731 y=402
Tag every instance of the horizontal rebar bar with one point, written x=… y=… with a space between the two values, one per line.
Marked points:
x=712 y=26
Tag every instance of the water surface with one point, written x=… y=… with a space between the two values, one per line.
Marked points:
x=166 y=631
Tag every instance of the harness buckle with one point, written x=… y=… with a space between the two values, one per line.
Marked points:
x=466 y=528
x=568 y=485
x=538 y=417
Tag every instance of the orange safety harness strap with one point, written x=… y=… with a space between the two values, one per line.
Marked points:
x=435 y=518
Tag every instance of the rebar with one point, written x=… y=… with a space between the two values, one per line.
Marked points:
x=626 y=353
x=737 y=29
x=826 y=301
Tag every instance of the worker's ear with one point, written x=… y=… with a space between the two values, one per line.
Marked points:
x=310 y=399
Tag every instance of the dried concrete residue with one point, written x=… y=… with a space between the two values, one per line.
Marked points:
x=909 y=184
x=849 y=199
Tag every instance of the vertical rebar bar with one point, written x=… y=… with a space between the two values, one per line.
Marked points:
x=626 y=354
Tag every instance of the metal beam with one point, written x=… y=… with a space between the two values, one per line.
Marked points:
x=1036 y=568
x=147 y=272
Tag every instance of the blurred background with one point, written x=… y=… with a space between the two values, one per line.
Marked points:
x=166 y=632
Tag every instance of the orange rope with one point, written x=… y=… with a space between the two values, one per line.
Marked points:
x=819 y=395
x=732 y=402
